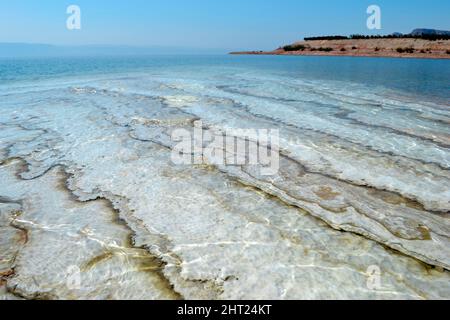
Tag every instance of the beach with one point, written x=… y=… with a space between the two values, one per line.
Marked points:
x=387 y=48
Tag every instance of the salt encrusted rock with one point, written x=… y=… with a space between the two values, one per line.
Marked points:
x=95 y=154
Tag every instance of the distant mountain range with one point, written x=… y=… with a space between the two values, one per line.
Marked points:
x=423 y=33
x=429 y=32
x=19 y=50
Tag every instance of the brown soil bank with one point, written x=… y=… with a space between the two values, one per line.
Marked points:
x=401 y=48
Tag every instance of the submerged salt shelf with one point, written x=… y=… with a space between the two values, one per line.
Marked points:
x=92 y=205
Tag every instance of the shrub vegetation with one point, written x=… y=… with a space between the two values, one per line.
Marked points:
x=405 y=50
x=328 y=49
x=294 y=47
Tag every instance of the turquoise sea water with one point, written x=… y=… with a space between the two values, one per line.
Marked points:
x=393 y=107
x=364 y=148
x=429 y=78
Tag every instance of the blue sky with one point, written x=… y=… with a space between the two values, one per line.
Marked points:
x=228 y=24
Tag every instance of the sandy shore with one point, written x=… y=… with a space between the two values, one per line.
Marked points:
x=396 y=48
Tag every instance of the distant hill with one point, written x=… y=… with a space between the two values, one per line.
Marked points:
x=428 y=46
x=24 y=49
x=21 y=50
x=429 y=32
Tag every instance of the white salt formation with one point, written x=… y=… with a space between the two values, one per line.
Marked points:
x=91 y=205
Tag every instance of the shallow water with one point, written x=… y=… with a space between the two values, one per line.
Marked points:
x=88 y=183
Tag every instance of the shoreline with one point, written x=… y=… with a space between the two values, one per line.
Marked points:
x=372 y=48
x=338 y=54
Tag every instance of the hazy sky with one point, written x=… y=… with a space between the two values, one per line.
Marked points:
x=228 y=24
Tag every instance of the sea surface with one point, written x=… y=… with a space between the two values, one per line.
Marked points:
x=93 y=206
